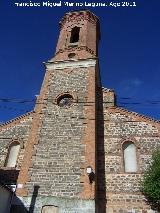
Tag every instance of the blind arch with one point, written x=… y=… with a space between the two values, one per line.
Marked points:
x=12 y=154
x=129 y=156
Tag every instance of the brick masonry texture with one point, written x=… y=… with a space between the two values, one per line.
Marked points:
x=57 y=143
x=59 y=152
x=18 y=132
x=64 y=205
x=123 y=189
x=15 y=130
x=88 y=38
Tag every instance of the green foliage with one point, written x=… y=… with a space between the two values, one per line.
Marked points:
x=151 y=181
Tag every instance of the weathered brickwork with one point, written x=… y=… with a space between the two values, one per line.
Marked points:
x=15 y=130
x=9 y=133
x=76 y=125
x=123 y=189
x=63 y=204
x=59 y=153
x=88 y=39
x=63 y=151
x=62 y=140
x=126 y=203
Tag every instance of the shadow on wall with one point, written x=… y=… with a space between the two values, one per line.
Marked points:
x=100 y=162
x=18 y=206
x=8 y=176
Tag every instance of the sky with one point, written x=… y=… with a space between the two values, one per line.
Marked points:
x=129 y=52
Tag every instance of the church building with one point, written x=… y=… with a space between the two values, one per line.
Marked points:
x=77 y=151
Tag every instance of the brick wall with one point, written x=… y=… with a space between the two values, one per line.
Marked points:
x=15 y=130
x=123 y=189
x=58 y=143
x=60 y=152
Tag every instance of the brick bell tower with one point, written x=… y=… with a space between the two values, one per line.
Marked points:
x=60 y=156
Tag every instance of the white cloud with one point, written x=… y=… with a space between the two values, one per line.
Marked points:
x=130 y=87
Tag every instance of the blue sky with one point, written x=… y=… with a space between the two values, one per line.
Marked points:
x=129 y=53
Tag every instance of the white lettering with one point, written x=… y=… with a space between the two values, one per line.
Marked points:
x=113 y=4
x=69 y=4
x=52 y=4
x=79 y=4
x=134 y=4
x=93 y=4
x=29 y=4
x=87 y=4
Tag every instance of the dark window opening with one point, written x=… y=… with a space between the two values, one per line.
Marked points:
x=71 y=55
x=74 y=35
x=65 y=100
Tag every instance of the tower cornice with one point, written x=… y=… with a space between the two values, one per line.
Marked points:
x=71 y=63
x=78 y=49
x=78 y=16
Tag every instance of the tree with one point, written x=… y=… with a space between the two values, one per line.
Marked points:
x=151 y=182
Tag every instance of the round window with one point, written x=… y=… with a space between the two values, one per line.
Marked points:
x=65 y=100
x=71 y=55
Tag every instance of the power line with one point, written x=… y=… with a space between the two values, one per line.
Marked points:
x=43 y=101
x=13 y=109
x=13 y=100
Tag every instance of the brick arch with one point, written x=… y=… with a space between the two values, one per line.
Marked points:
x=15 y=140
x=49 y=209
x=136 y=143
x=12 y=154
x=74 y=24
x=73 y=94
x=132 y=139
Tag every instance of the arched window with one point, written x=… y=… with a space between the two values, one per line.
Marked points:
x=130 y=157
x=12 y=154
x=49 y=209
x=65 y=100
x=75 y=35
